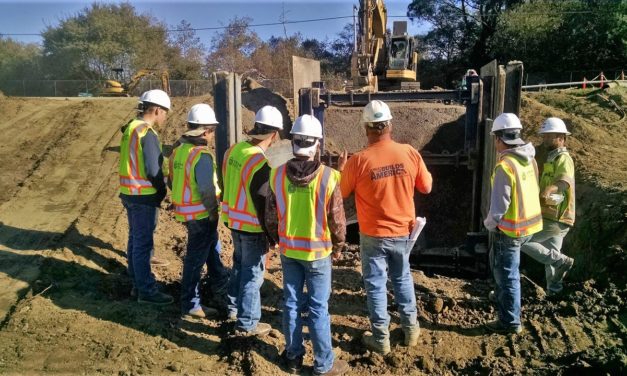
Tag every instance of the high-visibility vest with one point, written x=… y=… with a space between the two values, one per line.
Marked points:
x=524 y=216
x=563 y=212
x=185 y=193
x=133 y=178
x=302 y=210
x=240 y=164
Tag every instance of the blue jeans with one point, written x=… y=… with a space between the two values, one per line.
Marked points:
x=316 y=275
x=380 y=256
x=505 y=261
x=217 y=273
x=545 y=247
x=142 y=221
x=202 y=240
x=249 y=259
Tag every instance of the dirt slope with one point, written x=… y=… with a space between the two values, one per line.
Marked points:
x=65 y=309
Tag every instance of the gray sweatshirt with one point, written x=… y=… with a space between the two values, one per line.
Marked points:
x=502 y=187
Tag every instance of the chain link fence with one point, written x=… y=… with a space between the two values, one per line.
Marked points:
x=537 y=78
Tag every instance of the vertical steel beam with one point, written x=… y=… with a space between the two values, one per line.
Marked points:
x=227 y=105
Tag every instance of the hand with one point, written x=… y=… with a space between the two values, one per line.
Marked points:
x=341 y=162
x=548 y=191
x=336 y=255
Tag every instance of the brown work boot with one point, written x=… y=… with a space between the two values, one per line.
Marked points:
x=381 y=346
x=260 y=330
x=340 y=367
x=411 y=335
x=201 y=312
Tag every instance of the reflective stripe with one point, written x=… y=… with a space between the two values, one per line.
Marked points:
x=321 y=218
x=189 y=209
x=244 y=217
x=280 y=196
x=134 y=182
x=225 y=207
x=307 y=245
x=521 y=225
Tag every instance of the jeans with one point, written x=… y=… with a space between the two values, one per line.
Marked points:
x=314 y=303
x=505 y=261
x=380 y=256
x=545 y=247
x=142 y=221
x=202 y=241
x=249 y=261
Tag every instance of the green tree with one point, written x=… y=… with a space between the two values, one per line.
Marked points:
x=102 y=37
x=19 y=61
x=233 y=47
x=186 y=55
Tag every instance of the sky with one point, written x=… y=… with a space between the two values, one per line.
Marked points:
x=32 y=17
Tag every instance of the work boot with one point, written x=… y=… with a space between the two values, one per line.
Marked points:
x=380 y=346
x=157 y=298
x=260 y=330
x=562 y=270
x=498 y=327
x=158 y=262
x=411 y=335
x=293 y=366
x=201 y=312
x=340 y=367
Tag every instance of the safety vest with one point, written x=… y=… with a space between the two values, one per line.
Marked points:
x=240 y=164
x=133 y=179
x=185 y=193
x=564 y=212
x=524 y=216
x=302 y=210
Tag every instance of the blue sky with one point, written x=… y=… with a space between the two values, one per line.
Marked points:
x=33 y=16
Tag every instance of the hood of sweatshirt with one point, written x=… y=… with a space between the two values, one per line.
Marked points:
x=301 y=172
x=524 y=153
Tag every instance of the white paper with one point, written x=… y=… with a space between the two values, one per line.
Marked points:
x=418 y=226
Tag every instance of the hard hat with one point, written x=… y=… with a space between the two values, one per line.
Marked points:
x=158 y=97
x=506 y=121
x=307 y=125
x=554 y=125
x=375 y=112
x=202 y=114
x=306 y=132
x=269 y=115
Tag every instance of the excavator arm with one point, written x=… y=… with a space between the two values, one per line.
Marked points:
x=163 y=75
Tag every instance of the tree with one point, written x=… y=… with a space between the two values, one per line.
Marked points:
x=186 y=55
x=462 y=29
x=19 y=61
x=102 y=37
x=232 y=47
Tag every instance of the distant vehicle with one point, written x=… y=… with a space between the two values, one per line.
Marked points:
x=113 y=88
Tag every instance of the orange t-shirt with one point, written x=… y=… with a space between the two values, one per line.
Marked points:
x=383 y=177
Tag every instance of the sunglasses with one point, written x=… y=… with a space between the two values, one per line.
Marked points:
x=304 y=143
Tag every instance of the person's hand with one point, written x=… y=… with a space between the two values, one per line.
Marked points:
x=336 y=255
x=341 y=162
x=548 y=191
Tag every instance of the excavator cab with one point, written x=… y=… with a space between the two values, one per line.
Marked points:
x=402 y=55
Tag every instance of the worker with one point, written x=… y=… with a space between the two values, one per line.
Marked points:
x=246 y=175
x=195 y=195
x=557 y=201
x=514 y=216
x=384 y=178
x=142 y=188
x=305 y=217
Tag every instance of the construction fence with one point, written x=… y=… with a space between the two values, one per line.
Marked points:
x=74 y=88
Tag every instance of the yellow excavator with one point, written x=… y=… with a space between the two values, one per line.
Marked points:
x=382 y=60
x=114 y=88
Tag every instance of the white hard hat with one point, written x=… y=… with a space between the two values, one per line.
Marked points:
x=269 y=115
x=306 y=132
x=506 y=121
x=158 y=97
x=307 y=125
x=375 y=112
x=202 y=114
x=554 y=125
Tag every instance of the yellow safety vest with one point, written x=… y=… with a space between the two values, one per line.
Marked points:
x=133 y=179
x=185 y=193
x=240 y=164
x=303 y=230
x=524 y=216
x=564 y=212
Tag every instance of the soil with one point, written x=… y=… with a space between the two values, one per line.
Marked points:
x=65 y=306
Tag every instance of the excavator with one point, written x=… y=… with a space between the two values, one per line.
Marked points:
x=116 y=89
x=382 y=60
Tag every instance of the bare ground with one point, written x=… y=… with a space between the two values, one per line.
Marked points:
x=65 y=306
